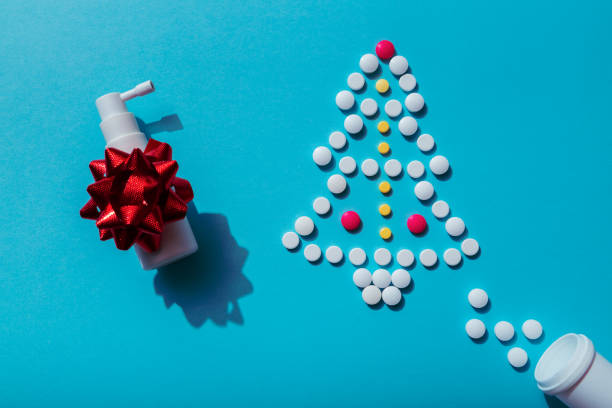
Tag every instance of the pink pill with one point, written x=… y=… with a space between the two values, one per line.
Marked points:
x=350 y=220
x=416 y=224
x=385 y=49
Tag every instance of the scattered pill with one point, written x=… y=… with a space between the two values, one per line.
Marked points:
x=398 y=65
x=368 y=63
x=478 y=298
x=414 y=102
x=369 y=167
x=382 y=86
x=290 y=240
x=416 y=223
x=322 y=156
x=400 y=278
x=383 y=126
x=475 y=328
x=383 y=148
x=391 y=295
x=304 y=226
x=504 y=331
x=426 y=142
x=532 y=329
x=517 y=357
x=385 y=49
x=405 y=257
x=336 y=184
x=415 y=169
x=407 y=126
x=455 y=226
x=353 y=124
x=356 y=81
x=384 y=210
x=440 y=209
x=357 y=256
x=393 y=108
x=334 y=254
x=428 y=258
x=470 y=247
x=385 y=233
x=423 y=190
x=337 y=140
x=439 y=165
x=393 y=168
x=382 y=256
x=350 y=220
x=312 y=252
x=369 y=107
x=407 y=82
x=321 y=205
x=452 y=257
x=384 y=187
x=381 y=278
x=362 y=277
x=347 y=165
x=345 y=100
x=371 y=295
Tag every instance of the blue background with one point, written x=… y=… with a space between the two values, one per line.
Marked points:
x=518 y=99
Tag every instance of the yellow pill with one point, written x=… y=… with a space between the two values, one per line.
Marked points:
x=384 y=187
x=383 y=148
x=383 y=126
x=382 y=86
x=384 y=210
x=385 y=233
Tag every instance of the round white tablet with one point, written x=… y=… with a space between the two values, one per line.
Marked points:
x=452 y=257
x=393 y=168
x=347 y=165
x=407 y=82
x=368 y=63
x=321 y=205
x=478 y=298
x=475 y=328
x=391 y=295
x=345 y=100
x=357 y=256
x=382 y=256
x=398 y=65
x=304 y=226
x=532 y=329
x=470 y=247
x=439 y=165
x=517 y=357
x=355 y=81
x=425 y=142
x=362 y=277
x=414 y=102
x=371 y=295
x=312 y=252
x=337 y=140
x=423 y=190
x=290 y=240
x=336 y=184
x=504 y=331
x=407 y=126
x=369 y=167
x=401 y=278
x=415 y=169
x=334 y=254
x=428 y=258
x=405 y=257
x=353 y=124
x=381 y=278
x=369 y=107
x=455 y=226
x=393 y=108
x=440 y=209
x=322 y=156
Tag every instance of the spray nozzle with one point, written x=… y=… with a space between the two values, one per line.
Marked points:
x=139 y=90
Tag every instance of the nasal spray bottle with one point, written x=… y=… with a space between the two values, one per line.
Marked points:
x=121 y=131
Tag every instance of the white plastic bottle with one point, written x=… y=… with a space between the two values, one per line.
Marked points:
x=121 y=131
x=574 y=372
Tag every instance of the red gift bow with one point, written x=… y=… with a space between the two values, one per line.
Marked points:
x=136 y=194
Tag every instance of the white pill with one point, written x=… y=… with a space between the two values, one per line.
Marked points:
x=304 y=226
x=337 y=140
x=401 y=278
x=407 y=126
x=321 y=205
x=357 y=256
x=322 y=156
x=478 y=298
x=290 y=240
x=470 y=247
x=393 y=168
x=415 y=169
x=382 y=256
x=428 y=258
x=405 y=257
x=455 y=226
x=452 y=257
x=312 y=252
x=532 y=329
x=504 y=331
x=355 y=81
x=381 y=278
x=517 y=357
x=407 y=82
x=334 y=254
x=371 y=295
x=393 y=108
x=423 y=190
x=353 y=124
x=439 y=165
x=414 y=102
x=425 y=142
x=347 y=165
x=362 y=277
x=440 y=209
x=345 y=100
x=391 y=295
x=398 y=65
x=369 y=167
x=368 y=63
x=369 y=107
x=475 y=328
x=336 y=184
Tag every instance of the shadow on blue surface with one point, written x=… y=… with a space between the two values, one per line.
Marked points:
x=554 y=402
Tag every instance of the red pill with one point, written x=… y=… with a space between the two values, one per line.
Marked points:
x=385 y=49
x=350 y=220
x=416 y=224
